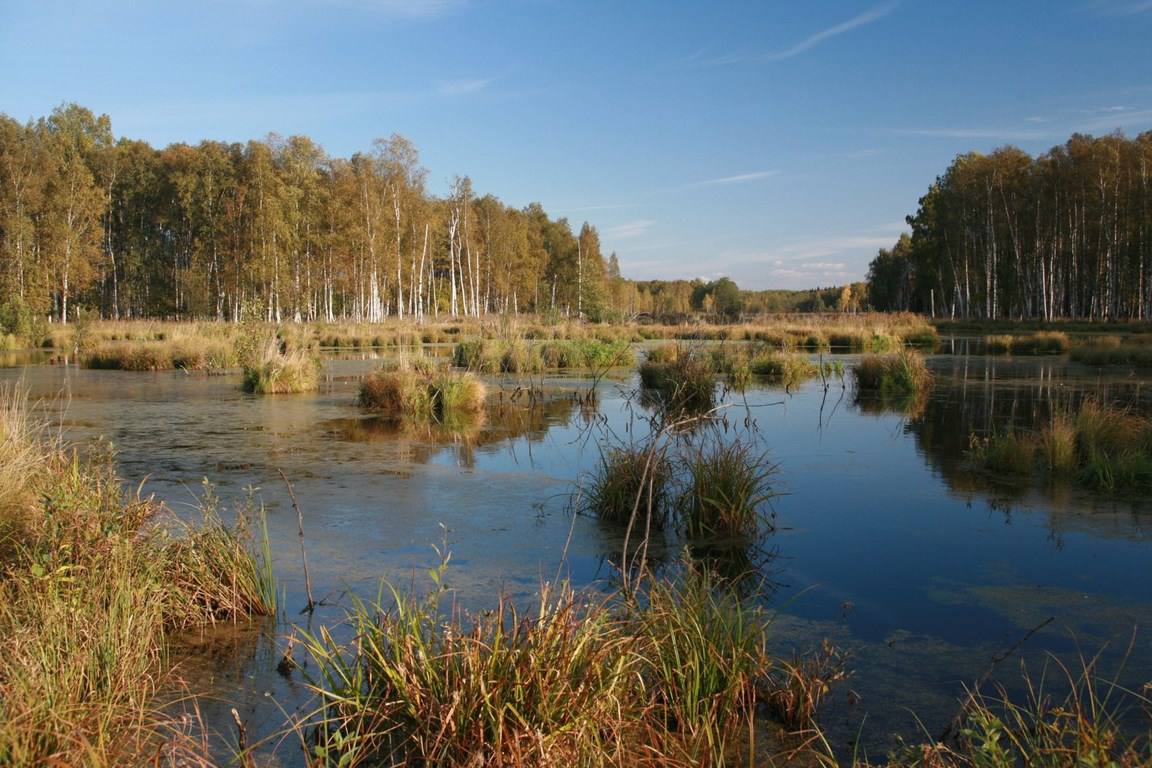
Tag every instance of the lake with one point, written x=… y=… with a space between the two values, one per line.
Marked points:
x=886 y=541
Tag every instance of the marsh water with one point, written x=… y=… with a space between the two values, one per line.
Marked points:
x=886 y=541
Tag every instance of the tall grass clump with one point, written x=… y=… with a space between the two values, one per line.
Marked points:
x=630 y=482
x=1009 y=454
x=91 y=584
x=1108 y=351
x=558 y=686
x=278 y=371
x=1065 y=717
x=1041 y=343
x=790 y=370
x=1106 y=449
x=901 y=373
x=727 y=486
x=704 y=651
x=687 y=383
x=667 y=677
x=421 y=392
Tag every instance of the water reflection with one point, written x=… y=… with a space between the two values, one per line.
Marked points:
x=986 y=396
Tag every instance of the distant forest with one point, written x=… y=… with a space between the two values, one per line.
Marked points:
x=1067 y=234
x=278 y=229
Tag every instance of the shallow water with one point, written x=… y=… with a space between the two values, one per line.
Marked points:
x=886 y=542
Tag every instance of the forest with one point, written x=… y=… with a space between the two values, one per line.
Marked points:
x=275 y=227
x=280 y=230
x=1066 y=234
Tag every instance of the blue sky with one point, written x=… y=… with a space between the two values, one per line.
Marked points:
x=778 y=143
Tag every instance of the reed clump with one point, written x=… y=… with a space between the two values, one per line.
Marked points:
x=686 y=383
x=1109 y=351
x=580 y=680
x=280 y=371
x=520 y=355
x=1065 y=717
x=727 y=485
x=193 y=354
x=631 y=482
x=1039 y=343
x=902 y=373
x=790 y=370
x=1103 y=448
x=422 y=392
x=90 y=587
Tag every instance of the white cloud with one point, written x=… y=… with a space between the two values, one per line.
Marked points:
x=738 y=179
x=630 y=229
x=464 y=87
x=810 y=42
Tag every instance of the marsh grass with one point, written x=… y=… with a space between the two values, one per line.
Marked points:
x=279 y=371
x=419 y=391
x=704 y=650
x=685 y=384
x=1067 y=716
x=628 y=482
x=902 y=373
x=1109 y=351
x=1106 y=449
x=1039 y=343
x=798 y=688
x=659 y=679
x=192 y=354
x=518 y=354
x=789 y=370
x=726 y=489
x=90 y=586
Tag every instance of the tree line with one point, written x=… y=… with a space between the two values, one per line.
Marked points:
x=1066 y=234
x=274 y=228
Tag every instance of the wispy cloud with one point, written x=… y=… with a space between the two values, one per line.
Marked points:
x=738 y=179
x=464 y=87
x=1102 y=120
x=629 y=229
x=1126 y=119
x=996 y=134
x=868 y=17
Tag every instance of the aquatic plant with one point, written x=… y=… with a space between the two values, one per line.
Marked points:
x=582 y=680
x=791 y=370
x=1102 y=353
x=727 y=485
x=422 y=392
x=1000 y=344
x=1107 y=449
x=278 y=371
x=630 y=482
x=90 y=587
x=192 y=354
x=1041 y=343
x=797 y=688
x=901 y=373
x=687 y=383
x=704 y=653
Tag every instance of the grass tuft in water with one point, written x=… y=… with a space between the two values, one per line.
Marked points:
x=278 y=371
x=727 y=486
x=902 y=373
x=421 y=392
x=629 y=482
